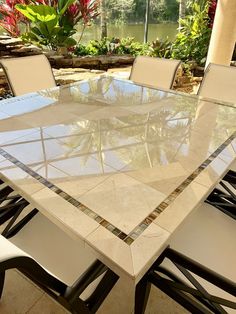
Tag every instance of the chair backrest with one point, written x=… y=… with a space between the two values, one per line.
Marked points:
x=154 y=72
x=28 y=74
x=219 y=83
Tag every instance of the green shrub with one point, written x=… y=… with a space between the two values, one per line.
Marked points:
x=116 y=46
x=191 y=43
x=161 y=49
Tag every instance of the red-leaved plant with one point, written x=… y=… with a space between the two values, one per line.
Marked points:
x=211 y=12
x=85 y=10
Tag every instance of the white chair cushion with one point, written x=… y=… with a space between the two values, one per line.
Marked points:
x=9 y=250
x=53 y=249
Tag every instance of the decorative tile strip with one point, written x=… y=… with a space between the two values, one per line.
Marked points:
x=138 y=230
x=87 y=211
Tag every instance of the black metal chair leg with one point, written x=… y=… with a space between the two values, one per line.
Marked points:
x=2 y=279
x=141 y=295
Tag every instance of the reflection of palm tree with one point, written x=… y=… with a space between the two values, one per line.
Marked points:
x=157 y=132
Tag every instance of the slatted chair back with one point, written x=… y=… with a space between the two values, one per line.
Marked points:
x=219 y=83
x=154 y=72
x=28 y=74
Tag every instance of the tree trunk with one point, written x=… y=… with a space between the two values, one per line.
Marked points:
x=103 y=19
x=146 y=21
x=182 y=10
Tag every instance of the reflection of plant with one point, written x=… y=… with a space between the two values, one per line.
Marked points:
x=150 y=137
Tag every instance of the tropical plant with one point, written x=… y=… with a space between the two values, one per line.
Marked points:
x=193 y=39
x=161 y=49
x=112 y=46
x=11 y=18
x=50 y=26
x=47 y=22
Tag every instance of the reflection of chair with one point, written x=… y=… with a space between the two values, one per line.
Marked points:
x=219 y=83
x=207 y=237
x=154 y=72
x=28 y=74
x=56 y=263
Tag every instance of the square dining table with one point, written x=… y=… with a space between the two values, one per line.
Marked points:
x=116 y=165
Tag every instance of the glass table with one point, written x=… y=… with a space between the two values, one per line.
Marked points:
x=116 y=165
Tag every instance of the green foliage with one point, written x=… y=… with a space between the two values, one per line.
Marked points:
x=193 y=39
x=108 y=46
x=49 y=27
x=161 y=49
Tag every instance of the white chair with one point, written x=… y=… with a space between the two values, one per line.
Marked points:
x=28 y=74
x=219 y=82
x=59 y=265
x=154 y=72
x=199 y=269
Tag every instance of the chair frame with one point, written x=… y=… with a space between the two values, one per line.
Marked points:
x=164 y=60
x=196 y=300
x=8 y=79
x=225 y=201
x=67 y=296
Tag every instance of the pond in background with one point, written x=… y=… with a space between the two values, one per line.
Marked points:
x=160 y=31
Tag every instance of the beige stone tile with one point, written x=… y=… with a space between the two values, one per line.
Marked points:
x=62 y=213
x=123 y=201
x=113 y=250
x=19 y=295
x=46 y=305
x=180 y=208
x=210 y=176
x=164 y=178
x=83 y=166
x=106 y=113
x=146 y=248
x=15 y=135
x=20 y=181
x=37 y=151
x=76 y=186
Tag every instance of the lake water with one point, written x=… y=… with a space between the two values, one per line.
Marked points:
x=160 y=31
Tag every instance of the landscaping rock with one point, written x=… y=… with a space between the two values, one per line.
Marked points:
x=91 y=62
x=10 y=42
x=26 y=51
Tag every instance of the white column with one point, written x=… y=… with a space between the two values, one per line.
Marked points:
x=223 y=36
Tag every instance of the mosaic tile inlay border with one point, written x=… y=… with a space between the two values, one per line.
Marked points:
x=137 y=231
